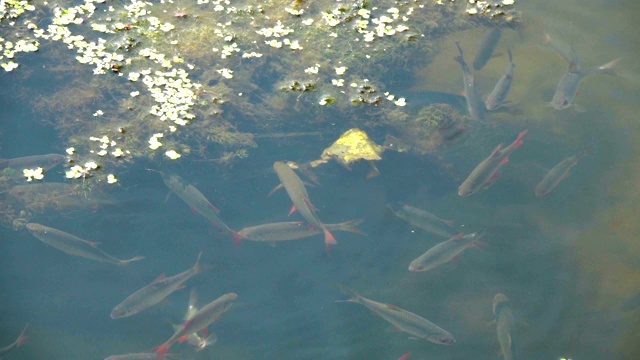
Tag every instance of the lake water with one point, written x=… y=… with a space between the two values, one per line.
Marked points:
x=566 y=261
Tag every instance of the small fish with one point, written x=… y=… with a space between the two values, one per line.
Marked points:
x=155 y=292
x=504 y=324
x=21 y=340
x=46 y=162
x=568 y=85
x=501 y=90
x=209 y=314
x=471 y=93
x=59 y=196
x=557 y=174
x=487 y=47
x=196 y=201
x=403 y=320
x=444 y=252
x=74 y=245
x=298 y=194
x=140 y=356
x=485 y=173
x=424 y=220
x=195 y=340
x=292 y=230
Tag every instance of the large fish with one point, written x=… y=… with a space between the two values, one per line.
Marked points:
x=59 y=196
x=485 y=173
x=471 y=93
x=557 y=174
x=21 y=340
x=403 y=320
x=196 y=201
x=443 y=252
x=297 y=192
x=202 y=319
x=74 y=245
x=424 y=220
x=567 y=87
x=501 y=90
x=504 y=325
x=155 y=292
x=46 y=162
x=487 y=47
x=292 y=230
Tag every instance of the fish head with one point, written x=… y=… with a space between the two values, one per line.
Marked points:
x=465 y=190
x=394 y=206
x=560 y=102
x=445 y=340
x=118 y=312
x=415 y=267
x=541 y=192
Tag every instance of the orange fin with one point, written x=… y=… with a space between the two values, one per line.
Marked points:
x=504 y=161
x=519 y=141
x=293 y=209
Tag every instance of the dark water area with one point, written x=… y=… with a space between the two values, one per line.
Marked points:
x=566 y=261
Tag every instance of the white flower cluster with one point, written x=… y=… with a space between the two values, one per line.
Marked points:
x=173 y=93
x=31 y=174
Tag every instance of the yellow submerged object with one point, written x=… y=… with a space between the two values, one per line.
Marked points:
x=352 y=146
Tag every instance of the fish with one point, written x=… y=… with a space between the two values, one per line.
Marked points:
x=207 y=315
x=504 y=325
x=568 y=85
x=155 y=292
x=297 y=192
x=487 y=47
x=139 y=356
x=444 y=252
x=292 y=230
x=485 y=173
x=471 y=93
x=403 y=320
x=74 y=245
x=558 y=173
x=21 y=340
x=196 y=201
x=195 y=340
x=46 y=162
x=423 y=220
x=501 y=90
x=405 y=356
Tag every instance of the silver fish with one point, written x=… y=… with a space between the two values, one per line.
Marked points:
x=504 y=325
x=557 y=174
x=74 y=245
x=487 y=47
x=424 y=220
x=568 y=85
x=443 y=252
x=403 y=320
x=501 y=90
x=155 y=292
x=485 y=173
x=471 y=93
x=209 y=314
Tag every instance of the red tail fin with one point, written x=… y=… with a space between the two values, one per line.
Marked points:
x=236 y=238
x=161 y=350
x=293 y=209
x=328 y=240
x=519 y=141
x=22 y=339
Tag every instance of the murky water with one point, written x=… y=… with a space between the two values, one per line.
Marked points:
x=567 y=261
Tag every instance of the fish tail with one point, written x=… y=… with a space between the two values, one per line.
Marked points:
x=350 y=226
x=354 y=296
x=22 y=339
x=136 y=258
x=161 y=350
x=236 y=238
x=328 y=239
x=197 y=266
x=519 y=141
